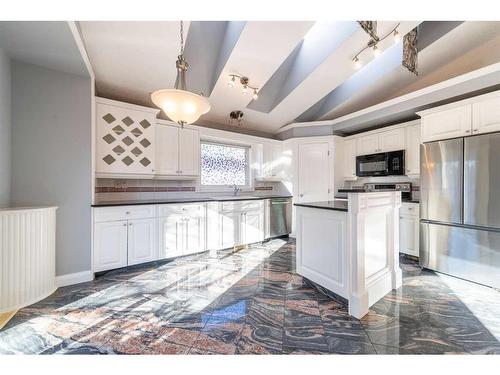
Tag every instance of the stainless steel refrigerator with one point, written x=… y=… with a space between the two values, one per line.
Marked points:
x=460 y=208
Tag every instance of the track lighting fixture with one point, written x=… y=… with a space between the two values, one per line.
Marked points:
x=245 y=83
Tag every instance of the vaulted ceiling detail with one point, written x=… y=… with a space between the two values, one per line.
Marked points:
x=304 y=69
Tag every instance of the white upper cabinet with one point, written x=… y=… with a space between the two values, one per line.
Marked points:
x=125 y=139
x=349 y=159
x=177 y=151
x=167 y=150
x=391 y=140
x=449 y=123
x=272 y=165
x=367 y=144
x=412 y=154
x=486 y=115
x=189 y=152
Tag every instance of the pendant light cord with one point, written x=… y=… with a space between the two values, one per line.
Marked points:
x=182 y=38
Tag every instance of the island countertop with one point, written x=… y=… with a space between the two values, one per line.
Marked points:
x=337 y=205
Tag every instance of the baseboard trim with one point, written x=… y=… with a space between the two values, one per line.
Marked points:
x=74 y=278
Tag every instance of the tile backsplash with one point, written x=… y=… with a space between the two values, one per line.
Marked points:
x=107 y=189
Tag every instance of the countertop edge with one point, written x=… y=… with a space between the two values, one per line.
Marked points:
x=320 y=207
x=201 y=200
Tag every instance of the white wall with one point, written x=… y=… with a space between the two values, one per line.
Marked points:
x=51 y=155
x=5 y=128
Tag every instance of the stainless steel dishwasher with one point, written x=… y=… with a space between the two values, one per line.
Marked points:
x=279 y=215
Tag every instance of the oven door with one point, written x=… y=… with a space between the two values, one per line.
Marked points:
x=372 y=165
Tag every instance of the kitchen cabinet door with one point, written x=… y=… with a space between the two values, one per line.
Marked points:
x=391 y=140
x=272 y=165
x=171 y=236
x=194 y=233
x=313 y=172
x=486 y=116
x=189 y=152
x=230 y=229
x=167 y=150
x=367 y=145
x=445 y=124
x=408 y=235
x=412 y=156
x=142 y=241
x=349 y=159
x=125 y=141
x=110 y=245
x=252 y=227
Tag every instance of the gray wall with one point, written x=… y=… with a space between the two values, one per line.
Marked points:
x=51 y=155
x=5 y=129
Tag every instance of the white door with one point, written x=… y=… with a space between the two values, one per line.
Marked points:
x=252 y=227
x=189 y=152
x=171 y=236
x=408 y=235
x=367 y=145
x=125 y=140
x=450 y=123
x=142 y=241
x=230 y=229
x=391 y=140
x=349 y=159
x=167 y=150
x=313 y=172
x=110 y=245
x=194 y=230
x=486 y=116
x=412 y=157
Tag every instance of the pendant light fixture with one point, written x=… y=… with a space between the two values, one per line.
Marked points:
x=179 y=104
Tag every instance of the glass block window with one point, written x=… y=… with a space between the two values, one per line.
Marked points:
x=223 y=164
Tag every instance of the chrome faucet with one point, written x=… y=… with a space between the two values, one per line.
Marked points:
x=236 y=190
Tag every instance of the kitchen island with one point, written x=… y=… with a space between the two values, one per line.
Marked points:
x=351 y=248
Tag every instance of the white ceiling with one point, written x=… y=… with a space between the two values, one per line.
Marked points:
x=49 y=44
x=296 y=63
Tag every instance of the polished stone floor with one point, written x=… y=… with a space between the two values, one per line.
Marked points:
x=252 y=302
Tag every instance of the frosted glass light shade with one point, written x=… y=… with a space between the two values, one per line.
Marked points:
x=181 y=106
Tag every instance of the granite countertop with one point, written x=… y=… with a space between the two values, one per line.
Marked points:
x=184 y=200
x=336 y=205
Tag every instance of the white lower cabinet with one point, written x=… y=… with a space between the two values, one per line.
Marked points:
x=128 y=235
x=142 y=241
x=241 y=224
x=110 y=245
x=182 y=230
x=409 y=229
x=252 y=227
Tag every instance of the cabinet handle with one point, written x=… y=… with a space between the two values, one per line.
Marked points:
x=467 y=131
x=124 y=224
x=476 y=130
x=130 y=224
x=301 y=195
x=127 y=213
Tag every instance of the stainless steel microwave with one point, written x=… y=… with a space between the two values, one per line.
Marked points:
x=382 y=164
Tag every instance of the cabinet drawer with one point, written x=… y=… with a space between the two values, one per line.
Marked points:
x=102 y=214
x=242 y=205
x=195 y=209
x=411 y=209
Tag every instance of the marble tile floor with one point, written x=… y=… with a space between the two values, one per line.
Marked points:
x=252 y=302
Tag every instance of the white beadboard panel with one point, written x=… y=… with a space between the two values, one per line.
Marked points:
x=27 y=256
